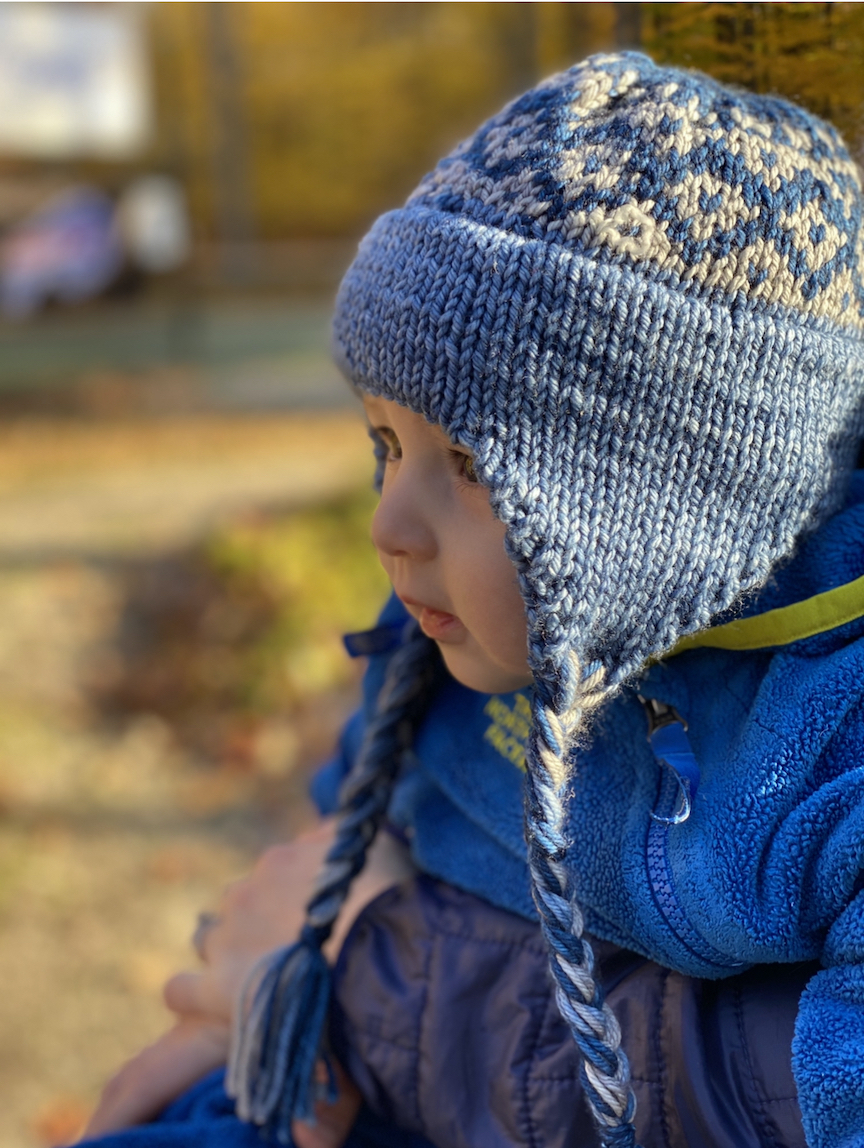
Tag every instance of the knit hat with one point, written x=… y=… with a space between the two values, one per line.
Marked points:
x=636 y=296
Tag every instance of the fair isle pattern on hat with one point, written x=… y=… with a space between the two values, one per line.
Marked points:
x=717 y=188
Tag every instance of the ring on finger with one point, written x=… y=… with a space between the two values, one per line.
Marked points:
x=206 y=921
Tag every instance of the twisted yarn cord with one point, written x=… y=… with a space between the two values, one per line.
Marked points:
x=283 y=1004
x=365 y=794
x=604 y=1069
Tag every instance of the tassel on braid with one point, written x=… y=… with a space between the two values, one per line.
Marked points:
x=283 y=1005
x=604 y=1069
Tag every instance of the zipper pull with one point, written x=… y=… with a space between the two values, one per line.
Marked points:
x=667 y=736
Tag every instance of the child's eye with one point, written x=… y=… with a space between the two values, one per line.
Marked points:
x=388 y=437
x=466 y=466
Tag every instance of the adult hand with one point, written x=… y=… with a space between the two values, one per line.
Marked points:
x=158 y=1074
x=266 y=910
x=162 y=1071
x=255 y=915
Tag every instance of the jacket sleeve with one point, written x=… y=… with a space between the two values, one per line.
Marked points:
x=828 y=1048
x=774 y=870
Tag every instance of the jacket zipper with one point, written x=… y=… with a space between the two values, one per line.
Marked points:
x=679 y=781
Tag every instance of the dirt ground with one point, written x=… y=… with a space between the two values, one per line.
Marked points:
x=112 y=835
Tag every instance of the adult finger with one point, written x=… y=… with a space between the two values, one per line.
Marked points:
x=204 y=926
x=334 y=1121
x=196 y=995
x=157 y=1075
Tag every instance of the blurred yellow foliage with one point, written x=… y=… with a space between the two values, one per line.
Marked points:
x=233 y=645
x=344 y=105
x=319 y=569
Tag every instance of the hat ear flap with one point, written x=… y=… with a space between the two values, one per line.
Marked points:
x=280 y=1022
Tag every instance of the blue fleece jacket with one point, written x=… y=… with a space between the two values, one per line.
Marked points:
x=768 y=867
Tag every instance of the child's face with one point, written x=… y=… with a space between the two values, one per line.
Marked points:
x=443 y=550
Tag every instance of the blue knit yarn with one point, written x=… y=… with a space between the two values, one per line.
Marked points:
x=636 y=296
x=279 y=1030
x=605 y=1071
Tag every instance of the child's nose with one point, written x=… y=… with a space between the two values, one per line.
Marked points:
x=400 y=525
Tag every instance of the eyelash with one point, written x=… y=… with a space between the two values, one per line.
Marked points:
x=394 y=452
x=391 y=442
x=466 y=466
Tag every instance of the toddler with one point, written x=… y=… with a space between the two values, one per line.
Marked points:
x=627 y=314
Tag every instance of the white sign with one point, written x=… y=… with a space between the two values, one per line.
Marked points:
x=73 y=81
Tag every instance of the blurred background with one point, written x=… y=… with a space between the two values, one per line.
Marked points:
x=184 y=479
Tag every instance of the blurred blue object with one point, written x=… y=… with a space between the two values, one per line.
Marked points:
x=69 y=250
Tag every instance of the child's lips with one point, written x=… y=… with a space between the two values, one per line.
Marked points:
x=436 y=624
x=439 y=626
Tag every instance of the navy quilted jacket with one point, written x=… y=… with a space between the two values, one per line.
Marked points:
x=445 y=1017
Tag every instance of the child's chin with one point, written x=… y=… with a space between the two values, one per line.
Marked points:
x=476 y=673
